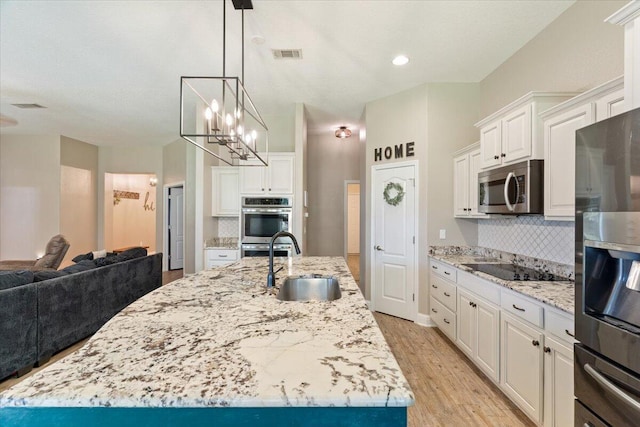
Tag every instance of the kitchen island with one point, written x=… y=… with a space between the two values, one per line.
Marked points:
x=218 y=348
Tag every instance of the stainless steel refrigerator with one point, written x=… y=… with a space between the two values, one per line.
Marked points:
x=607 y=293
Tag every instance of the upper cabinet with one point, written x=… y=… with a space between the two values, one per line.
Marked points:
x=275 y=179
x=559 y=134
x=466 y=165
x=513 y=133
x=225 y=200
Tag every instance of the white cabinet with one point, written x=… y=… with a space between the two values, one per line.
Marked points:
x=443 y=297
x=513 y=133
x=277 y=178
x=225 y=197
x=478 y=326
x=522 y=365
x=558 y=383
x=218 y=257
x=466 y=165
x=560 y=124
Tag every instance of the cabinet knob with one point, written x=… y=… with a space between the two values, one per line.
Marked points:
x=547 y=349
x=475 y=305
x=263 y=189
x=503 y=155
x=496 y=157
x=535 y=343
x=269 y=189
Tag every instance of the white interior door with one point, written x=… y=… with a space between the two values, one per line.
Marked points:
x=353 y=220
x=176 y=228
x=394 y=241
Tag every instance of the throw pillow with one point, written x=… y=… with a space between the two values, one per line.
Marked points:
x=99 y=254
x=40 y=276
x=83 y=265
x=11 y=279
x=137 y=252
x=82 y=257
x=104 y=261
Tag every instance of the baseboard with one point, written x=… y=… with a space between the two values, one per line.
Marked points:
x=424 y=320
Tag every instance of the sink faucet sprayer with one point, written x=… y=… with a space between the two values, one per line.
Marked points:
x=271 y=277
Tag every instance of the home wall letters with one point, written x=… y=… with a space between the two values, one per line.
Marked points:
x=397 y=151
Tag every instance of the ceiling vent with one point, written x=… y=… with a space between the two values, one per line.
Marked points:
x=28 y=106
x=287 y=53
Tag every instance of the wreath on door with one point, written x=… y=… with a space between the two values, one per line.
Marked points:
x=393 y=193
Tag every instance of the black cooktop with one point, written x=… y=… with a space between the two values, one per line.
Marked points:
x=514 y=272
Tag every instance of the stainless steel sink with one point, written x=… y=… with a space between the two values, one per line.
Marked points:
x=311 y=287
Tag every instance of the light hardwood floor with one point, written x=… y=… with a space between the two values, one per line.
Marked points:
x=449 y=390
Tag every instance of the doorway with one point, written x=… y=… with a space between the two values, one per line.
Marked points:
x=174 y=226
x=352 y=227
x=394 y=227
x=130 y=211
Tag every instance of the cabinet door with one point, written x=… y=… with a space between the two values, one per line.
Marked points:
x=466 y=324
x=280 y=174
x=491 y=144
x=252 y=179
x=521 y=370
x=610 y=105
x=461 y=185
x=560 y=160
x=225 y=200
x=488 y=340
x=558 y=384
x=475 y=165
x=516 y=135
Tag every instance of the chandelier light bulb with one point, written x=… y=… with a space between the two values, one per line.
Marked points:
x=240 y=130
x=247 y=139
x=214 y=106
x=238 y=114
x=208 y=114
x=229 y=120
x=254 y=134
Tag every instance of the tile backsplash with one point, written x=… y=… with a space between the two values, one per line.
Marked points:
x=531 y=236
x=228 y=227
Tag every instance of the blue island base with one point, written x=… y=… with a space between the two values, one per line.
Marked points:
x=196 y=417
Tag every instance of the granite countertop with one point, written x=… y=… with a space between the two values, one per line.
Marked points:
x=559 y=294
x=222 y=243
x=219 y=338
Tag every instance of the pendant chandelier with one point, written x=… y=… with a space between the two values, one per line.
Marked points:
x=218 y=116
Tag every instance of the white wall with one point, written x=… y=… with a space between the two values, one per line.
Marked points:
x=78 y=196
x=29 y=194
x=301 y=174
x=333 y=161
x=282 y=128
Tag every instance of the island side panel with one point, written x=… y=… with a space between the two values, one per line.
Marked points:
x=196 y=417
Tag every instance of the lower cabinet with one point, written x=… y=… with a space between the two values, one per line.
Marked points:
x=478 y=327
x=558 y=383
x=522 y=365
x=444 y=318
x=220 y=257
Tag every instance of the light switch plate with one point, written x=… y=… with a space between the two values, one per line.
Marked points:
x=443 y=234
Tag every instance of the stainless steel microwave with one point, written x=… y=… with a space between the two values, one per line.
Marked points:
x=512 y=190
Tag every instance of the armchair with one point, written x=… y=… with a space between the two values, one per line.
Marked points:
x=54 y=253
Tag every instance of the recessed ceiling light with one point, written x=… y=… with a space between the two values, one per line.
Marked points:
x=400 y=60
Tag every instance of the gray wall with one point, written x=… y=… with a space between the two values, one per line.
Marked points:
x=331 y=161
x=576 y=52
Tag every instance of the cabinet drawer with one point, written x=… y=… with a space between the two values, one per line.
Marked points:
x=444 y=318
x=560 y=326
x=444 y=291
x=523 y=308
x=487 y=290
x=444 y=270
x=227 y=255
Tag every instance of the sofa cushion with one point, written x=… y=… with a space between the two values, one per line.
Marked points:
x=108 y=260
x=81 y=266
x=40 y=276
x=137 y=252
x=82 y=257
x=11 y=279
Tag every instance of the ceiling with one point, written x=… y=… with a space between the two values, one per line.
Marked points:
x=109 y=71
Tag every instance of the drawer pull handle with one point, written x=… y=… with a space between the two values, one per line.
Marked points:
x=566 y=331
x=434 y=267
x=222 y=256
x=447 y=273
x=446 y=294
x=434 y=310
x=535 y=343
x=547 y=349
x=608 y=385
x=434 y=286
x=518 y=308
x=446 y=321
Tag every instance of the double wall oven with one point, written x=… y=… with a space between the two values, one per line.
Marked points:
x=261 y=218
x=607 y=358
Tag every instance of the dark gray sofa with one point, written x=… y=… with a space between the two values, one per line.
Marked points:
x=69 y=308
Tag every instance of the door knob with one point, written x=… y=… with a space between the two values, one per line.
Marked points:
x=379 y=248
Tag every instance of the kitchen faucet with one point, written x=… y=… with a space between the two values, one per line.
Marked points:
x=271 y=277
